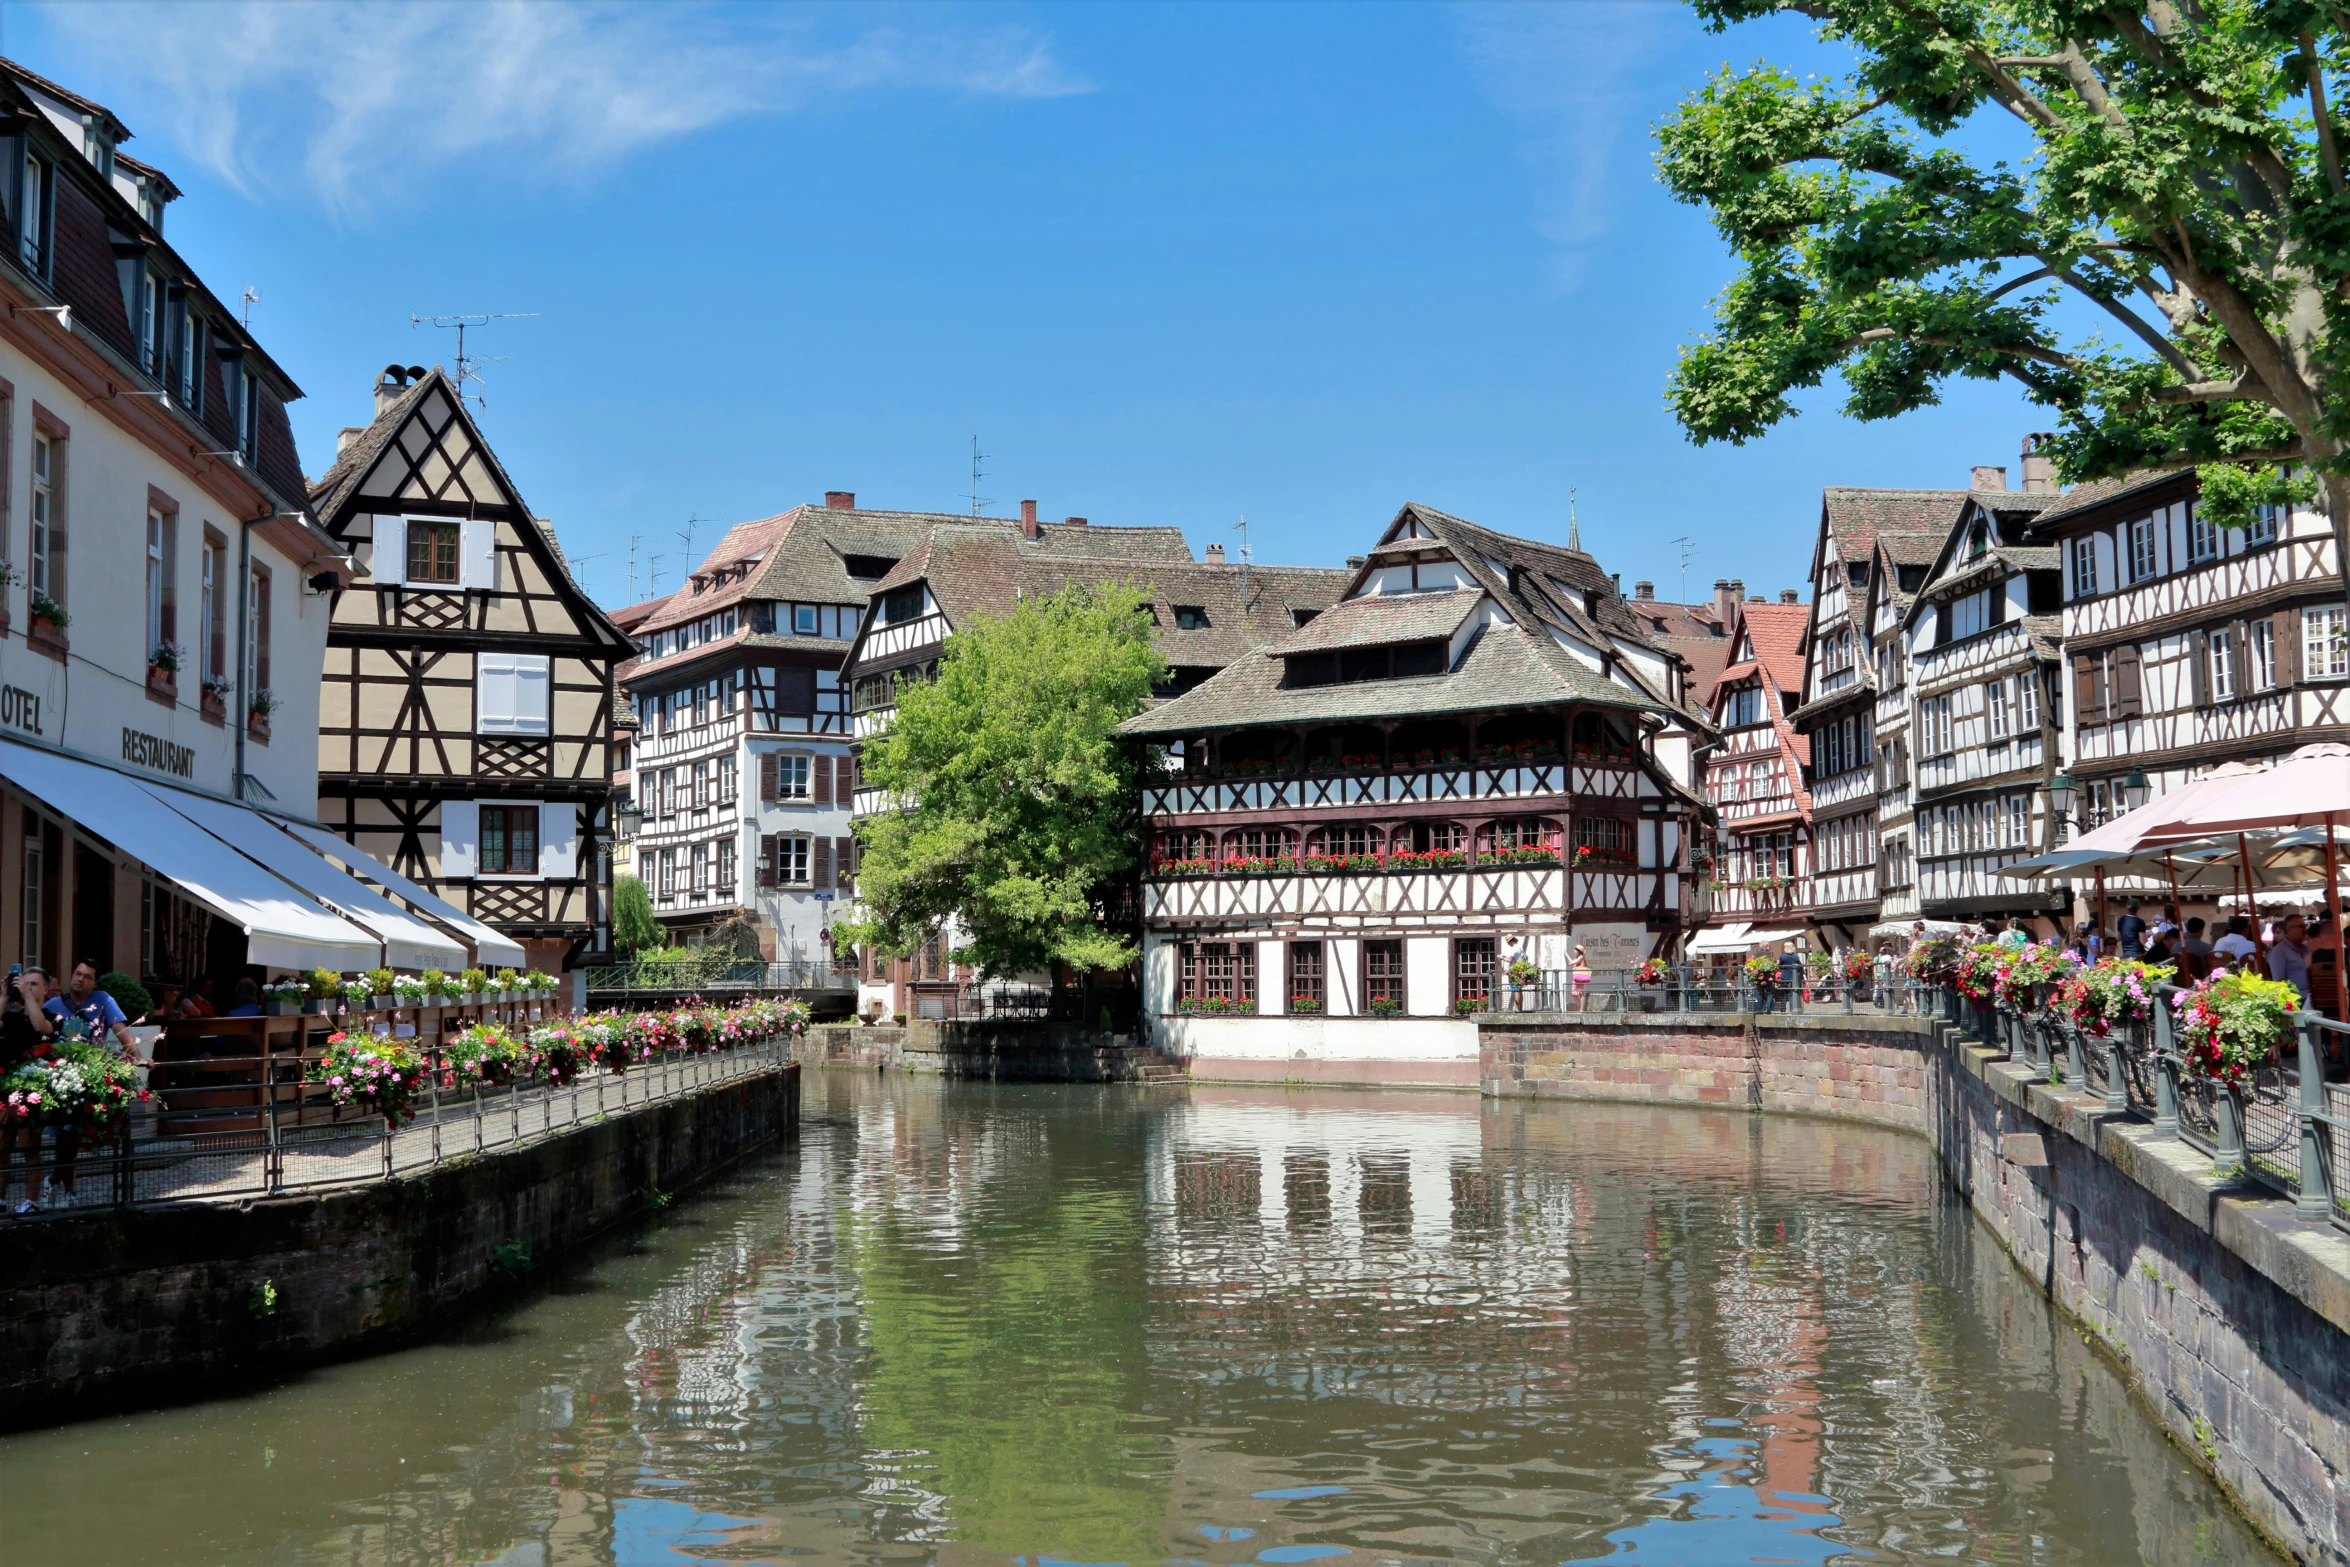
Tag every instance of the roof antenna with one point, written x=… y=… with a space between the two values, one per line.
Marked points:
x=252 y=297
x=1574 y=528
x=632 y=541
x=1241 y=528
x=687 y=534
x=1688 y=548
x=977 y=473
x=466 y=362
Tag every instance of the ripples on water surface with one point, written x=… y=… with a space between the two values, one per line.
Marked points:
x=1206 y=1326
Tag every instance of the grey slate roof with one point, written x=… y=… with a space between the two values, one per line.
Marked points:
x=2098 y=493
x=1382 y=617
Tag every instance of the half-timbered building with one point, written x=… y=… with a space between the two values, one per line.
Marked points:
x=2187 y=644
x=1476 y=756
x=1984 y=732
x=1762 y=848
x=1898 y=567
x=1206 y=615
x=465 y=715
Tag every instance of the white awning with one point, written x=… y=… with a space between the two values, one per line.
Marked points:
x=283 y=927
x=408 y=942
x=1933 y=927
x=491 y=950
x=1727 y=938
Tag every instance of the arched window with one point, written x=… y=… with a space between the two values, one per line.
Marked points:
x=1519 y=840
x=1189 y=852
x=1260 y=848
x=1427 y=846
x=1606 y=841
x=1343 y=841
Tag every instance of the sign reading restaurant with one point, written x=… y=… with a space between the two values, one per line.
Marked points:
x=154 y=751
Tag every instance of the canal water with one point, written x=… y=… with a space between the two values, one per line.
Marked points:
x=975 y=1325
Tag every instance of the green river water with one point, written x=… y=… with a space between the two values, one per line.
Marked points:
x=1207 y=1326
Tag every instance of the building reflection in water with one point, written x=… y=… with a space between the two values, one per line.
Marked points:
x=963 y=1325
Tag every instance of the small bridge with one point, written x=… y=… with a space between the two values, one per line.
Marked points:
x=822 y=986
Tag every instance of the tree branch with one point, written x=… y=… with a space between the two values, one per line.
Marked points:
x=2245 y=388
x=2326 y=150
x=2013 y=284
x=2032 y=352
x=2170 y=351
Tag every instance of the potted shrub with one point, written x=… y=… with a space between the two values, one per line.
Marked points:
x=257 y=710
x=49 y=621
x=163 y=670
x=473 y=987
x=371 y=1073
x=325 y=989
x=285 y=997
x=508 y=983
x=381 y=996
x=359 y=994
x=409 y=991
x=212 y=698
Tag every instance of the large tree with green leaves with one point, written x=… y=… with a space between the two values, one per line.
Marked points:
x=2163 y=263
x=1018 y=800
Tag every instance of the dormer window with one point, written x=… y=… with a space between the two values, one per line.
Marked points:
x=1191 y=617
x=1347 y=666
x=803 y=620
x=98 y=148
x=1978 y=542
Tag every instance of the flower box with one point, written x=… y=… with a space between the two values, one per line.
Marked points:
x=163 y=685
x=1305 y=1006
x=382 y=1003
x=257 y=727
x=213 y=707
x=47 y=636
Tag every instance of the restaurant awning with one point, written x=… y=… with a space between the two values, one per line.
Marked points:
x=283 y=927
x=1739 y=936
x=491 y=950
x=408 y=942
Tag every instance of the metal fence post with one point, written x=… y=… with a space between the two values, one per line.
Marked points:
x=273 y=1170
x=2076 y=1057
x=2317 y=1144
x=2166 y=1069
x=2227 y=1130
x=2117 y=1080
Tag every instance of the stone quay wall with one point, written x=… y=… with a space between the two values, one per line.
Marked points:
x=139 y=1306
x=1008 y=1050
x=2228 y=1311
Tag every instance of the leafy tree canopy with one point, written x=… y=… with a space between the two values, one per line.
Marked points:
x=633 y=927
x=1019 y=799
x=2184 y=187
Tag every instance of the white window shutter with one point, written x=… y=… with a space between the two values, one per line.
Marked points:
x=460 y=833
x=494 y=694
x=391 y=550
x=531 y=682
x=478 y=551
x=559 y=839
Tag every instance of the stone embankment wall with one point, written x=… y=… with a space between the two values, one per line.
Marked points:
x=1009 y=1050
x=2229 y=1311
x=143 y=1305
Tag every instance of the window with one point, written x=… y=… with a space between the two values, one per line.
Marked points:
x=510 y=694
x=1934 y=726
x=433 y=552
x=803 y=620
x=2084 y=567
x=1604 y=840
x=47 y=519
x=509 y=840
x=1995 y=708
x=257 y=635
x=1300 y=617
x=668 y=882
x=1344 y=838
x=1191 y=617
x=2324 y=649
x=150 y=323
x=2223 y=665
x=1472 y=972
x=2027 y=702
x=2260 y=642
x=791 y=861
x=2263 y=527
x=32 y=216
x=1263 y=843
x=191 y=342
x=1746 y=707
x=791 y=777
x=723 y=855
x=214 y=659
x=701 y=868
x=1306 y=989
x=726 y=780
x=35 y=887
x=162 y=611
x=2202 y=537
x=1383 y=976
x=1347 y=666
x=900 y=605
x=1222 y=975
x=2141 y=549
x=701 y=785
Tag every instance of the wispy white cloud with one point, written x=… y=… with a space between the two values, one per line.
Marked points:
x=1570 y=78
x=360 y=100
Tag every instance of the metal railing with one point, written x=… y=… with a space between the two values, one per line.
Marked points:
x=1687 y=987
x=716 y=976
x=252 y=1124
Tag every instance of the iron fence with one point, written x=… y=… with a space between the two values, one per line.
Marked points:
x=275 y=1135
x=727 y=975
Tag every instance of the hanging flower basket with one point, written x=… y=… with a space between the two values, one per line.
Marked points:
x=2232 y=1025
x=1933 y=961
x=2028 y=979
x=372 y=1074
x=2112 y=993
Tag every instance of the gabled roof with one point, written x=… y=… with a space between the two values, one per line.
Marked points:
x=1777 y=633
x=2097 y=495
x=1382 y=617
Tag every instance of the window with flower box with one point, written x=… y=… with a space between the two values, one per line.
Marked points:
x=1307 y=993
x=1383 y=993
x=1472 y=974
x=1218 y=976
x=1261 y=849
x=1519 y=840
x=1605 y=840
x=1342 y=846
x=1190 y=853
x=1428 y=846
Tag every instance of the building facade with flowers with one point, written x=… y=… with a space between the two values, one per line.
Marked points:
x=1477 y=758
x=1760 y=851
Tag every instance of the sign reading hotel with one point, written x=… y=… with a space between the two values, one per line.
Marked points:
x=20 y=709
x=154 y=751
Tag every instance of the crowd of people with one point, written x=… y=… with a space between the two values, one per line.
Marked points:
x=37 y=1014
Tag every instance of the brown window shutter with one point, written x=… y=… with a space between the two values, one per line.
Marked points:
x=845 y=864
x=2128 y=682
x=820 y=862
x=767 y=859
x=2284 y=630
x=821 y=768
x=848 y=780
x=767 y=783
x=2087 y=668
x=2200 y=666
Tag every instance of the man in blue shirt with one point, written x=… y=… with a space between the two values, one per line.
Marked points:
x=98 y=1013
x=2132 y=930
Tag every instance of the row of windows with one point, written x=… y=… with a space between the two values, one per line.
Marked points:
x=677 y=639
x=1970 y=825
x=1841 y=747
x=1603 y=838
x=787 y=860
x=1849 y=844
x=1763 y=779
x=675 y=790
x=2145 y=543
x=1223 y=974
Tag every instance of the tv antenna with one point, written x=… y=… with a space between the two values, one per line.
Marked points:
x=252 y=297
x=977 y=473
x=687 y=534
x=653 y=575
x=1688 y=548
x=1241 y=528
x=466 y=362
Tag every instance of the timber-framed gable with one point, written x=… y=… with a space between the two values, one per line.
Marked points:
x=466 y=718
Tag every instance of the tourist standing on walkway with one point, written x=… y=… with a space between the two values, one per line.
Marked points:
x=2132 y=930
x=2288 y=960
x=24 y=1030
x=2015 y=935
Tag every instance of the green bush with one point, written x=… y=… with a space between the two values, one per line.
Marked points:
x=633 y=927
x=381 y=979
x=472 y=982
x=128 y=994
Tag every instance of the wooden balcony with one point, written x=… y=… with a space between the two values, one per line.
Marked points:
x=1355 y=791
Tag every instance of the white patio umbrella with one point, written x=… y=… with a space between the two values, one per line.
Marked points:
x=2310 y=788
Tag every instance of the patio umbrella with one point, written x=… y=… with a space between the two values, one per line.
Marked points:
x=2134 y=828
x=2310 y=788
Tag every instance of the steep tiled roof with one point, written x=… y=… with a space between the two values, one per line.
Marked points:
x=1777 y=633
x=357 y=458
x=1385 y=617
x=2100 y=492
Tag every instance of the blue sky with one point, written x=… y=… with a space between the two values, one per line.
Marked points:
x=1170 y=264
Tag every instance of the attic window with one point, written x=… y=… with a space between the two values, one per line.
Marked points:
x=1191 y=617
x=1912 y=578
x=1347 y=666
x=1745 y=651
x=901 y=605
x=1978 y=541
x=868 y=567
x=1300 y=617
x=1591 y=601
x=803 y=620
x=1856 y=572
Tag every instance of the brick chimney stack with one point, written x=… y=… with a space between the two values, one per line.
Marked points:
x=1074 y=522
x=1215 y=554
x=1790 y=596
x=1725 y=594
x=1028 y=519
x=1986 y=477
x=1644 y=590
x=840 y=500
x=2039 y=467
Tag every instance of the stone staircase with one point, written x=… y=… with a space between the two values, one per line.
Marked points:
x=1152 y=1065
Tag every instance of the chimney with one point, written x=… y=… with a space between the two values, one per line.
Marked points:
x=1074 y=522
x=1354 y=563
x=1215 y=554
x=388 y=388
x=2039 y=467
x=1644 y=590
x=1758 y=598
x=1988 y=478
x=840 y=500
x=1028 y=518
x=346 y=435
x=1725 y=595
x=1789 y=596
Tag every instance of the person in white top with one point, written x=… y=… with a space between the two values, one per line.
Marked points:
x=2236 y=944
